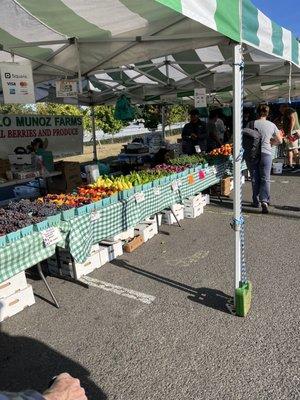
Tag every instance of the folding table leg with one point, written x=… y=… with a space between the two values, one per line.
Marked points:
x=39 y=268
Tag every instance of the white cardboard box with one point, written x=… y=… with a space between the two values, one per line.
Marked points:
x=114 y=248
x=16 y=302
x=79 y=269
x=169 y=219
x=13 y=284
x=193 y=212
x=177 y=207
x=146 y=230
x=152 y=219
x=194 y=201
x=129 y=234
x=206 y=199
x=103 y=254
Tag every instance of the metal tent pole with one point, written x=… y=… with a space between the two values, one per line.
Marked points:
x=237 y=126
x=163 y=121
x=94 y=133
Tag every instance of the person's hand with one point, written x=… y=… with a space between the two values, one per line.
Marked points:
x=65 y=387
x=194 y=136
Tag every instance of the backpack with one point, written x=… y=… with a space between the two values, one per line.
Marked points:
x=251 y=142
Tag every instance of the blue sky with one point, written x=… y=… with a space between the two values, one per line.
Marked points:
x=284 y=12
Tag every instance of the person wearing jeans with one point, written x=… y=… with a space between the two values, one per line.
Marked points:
x=260 y=170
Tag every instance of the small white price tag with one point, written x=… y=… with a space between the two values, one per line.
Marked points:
x=51 y=236
x=95 y=216
x=214 y=170
x=157 y=191
x=139 y=197
x=176 y=185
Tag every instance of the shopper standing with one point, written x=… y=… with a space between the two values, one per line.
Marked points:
x=291 y=130
x=194 y=134
x=260 y=169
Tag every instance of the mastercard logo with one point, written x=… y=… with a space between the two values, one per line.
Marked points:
x=23 y=84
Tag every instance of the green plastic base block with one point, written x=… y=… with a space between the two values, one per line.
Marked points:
x=243 y=297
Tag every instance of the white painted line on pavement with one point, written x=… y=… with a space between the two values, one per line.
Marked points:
x=285 y=181
x=131 y=294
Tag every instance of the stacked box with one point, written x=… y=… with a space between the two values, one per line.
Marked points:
x=193 y=211
x=66 y=265
x=146 y=230
x=113 y=248
x=69 y=180
x=226 y=186
x=134 y=244
x=129 y=234
x=15 y=295
x=4 y=167
x=194 y=201
x=168 y=217
x=153 y=219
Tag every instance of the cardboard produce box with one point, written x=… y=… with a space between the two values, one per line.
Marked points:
x=13 y=284
x=226 y=186
x=134 y=244
x=4 y=166
x=72 y=268
x=16 y=302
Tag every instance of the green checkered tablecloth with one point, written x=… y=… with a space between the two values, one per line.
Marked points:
x=26 y=252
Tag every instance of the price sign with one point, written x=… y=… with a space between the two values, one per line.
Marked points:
x=214 y=170
x=202 y=174
x=191 y=179
x=95 y=216
x=157 y=191
x=176 y=185
x=139 y=197
x=51 y=236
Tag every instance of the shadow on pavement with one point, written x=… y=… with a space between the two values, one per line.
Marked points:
x=207 y=297
x=212 y=298
x=27 y=363
x=247 y=209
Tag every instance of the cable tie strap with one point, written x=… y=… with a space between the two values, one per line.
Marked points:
x=236 y=223
x=240 y=156
x=241 y=65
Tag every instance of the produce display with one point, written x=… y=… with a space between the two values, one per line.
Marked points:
x=225 y=150
x=20 y=214
x=36 y=208
x=23 y=213
x=65 y=200
x=188 y=161
x=11 y=221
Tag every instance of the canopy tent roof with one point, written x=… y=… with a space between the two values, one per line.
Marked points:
x=186 y=44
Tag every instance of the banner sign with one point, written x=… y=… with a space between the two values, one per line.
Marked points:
x=64 y=133
x=200 y=98
x=66 y=88
x=17 y=83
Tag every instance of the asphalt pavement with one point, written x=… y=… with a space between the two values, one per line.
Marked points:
x=155 y=325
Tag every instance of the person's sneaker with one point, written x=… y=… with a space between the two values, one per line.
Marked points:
x=290 y=168
x=264 y=208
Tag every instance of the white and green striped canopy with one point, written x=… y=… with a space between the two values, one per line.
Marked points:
x=148 y=48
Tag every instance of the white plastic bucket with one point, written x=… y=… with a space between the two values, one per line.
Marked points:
x=277 y=168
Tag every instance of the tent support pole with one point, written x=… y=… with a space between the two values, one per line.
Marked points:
x=95 y=158
x=163 y=121
x=237 y=117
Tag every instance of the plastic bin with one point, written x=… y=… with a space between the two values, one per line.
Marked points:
x=66 y=215
x=28 y=230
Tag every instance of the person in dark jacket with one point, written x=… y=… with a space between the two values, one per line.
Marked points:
x=194 y=134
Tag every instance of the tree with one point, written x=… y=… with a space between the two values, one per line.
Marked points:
x=104 y=115
x=177 y=113
x=16 y=109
